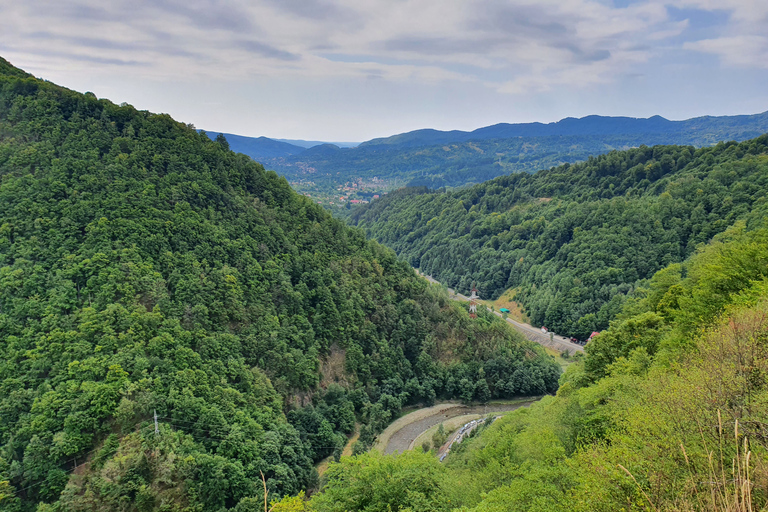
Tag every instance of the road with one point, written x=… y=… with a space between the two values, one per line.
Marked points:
x=402 y=439
x=530 y=332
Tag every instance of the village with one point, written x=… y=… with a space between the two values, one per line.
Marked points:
x=347 y=195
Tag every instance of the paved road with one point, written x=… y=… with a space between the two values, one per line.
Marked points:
x=556 y=342
x=401 y=440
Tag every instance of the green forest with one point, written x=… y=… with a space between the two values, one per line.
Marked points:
x=667 y=412
x=182 y=332
x=575 y=241
x=455 y=159
x=148 y=271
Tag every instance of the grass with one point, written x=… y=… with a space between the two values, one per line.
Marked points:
x=564 y=363
x=322 y=466
x=506 y=300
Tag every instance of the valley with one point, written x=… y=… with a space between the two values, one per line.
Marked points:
x=455 y=159
x=575 y=241
x=147 y=271
x=550 y=339
x=181 y=330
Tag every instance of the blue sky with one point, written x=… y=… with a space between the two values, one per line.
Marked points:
x=351 y=70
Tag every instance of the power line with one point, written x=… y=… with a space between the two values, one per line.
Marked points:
x=155 y=425
x=74 y=459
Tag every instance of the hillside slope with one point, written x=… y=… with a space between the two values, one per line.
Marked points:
x=666 y=413
x=147 y=271
x=258 y=148
x=573 y=241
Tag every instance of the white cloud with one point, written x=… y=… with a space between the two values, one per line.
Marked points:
x=742 y=41
x=421 y=60
x=743 y=50
x=534 y=43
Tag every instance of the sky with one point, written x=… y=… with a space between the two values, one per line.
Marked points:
x=352 y=70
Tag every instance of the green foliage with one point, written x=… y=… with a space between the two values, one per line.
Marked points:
x=666 y=412
x=439 y=437
x=144 y=267
x=575 y=241
x=373 y=482
x=290 y=504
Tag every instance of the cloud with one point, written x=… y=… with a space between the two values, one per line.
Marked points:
x=316 y=10
x=446 y=46
x=516 y=46
x=520 y=20
x=742 y=41
x=268 y=51
x=743 y=51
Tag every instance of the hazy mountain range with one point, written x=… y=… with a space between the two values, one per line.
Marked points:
x=455 y=158
x=700 y=130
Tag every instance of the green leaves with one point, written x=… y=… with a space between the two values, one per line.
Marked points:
x=144 y=267
x=574 y=241
x=373 y=482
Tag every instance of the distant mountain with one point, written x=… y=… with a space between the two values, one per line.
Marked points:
x=727 y=127
x=456 y=158
x=263 y=149
x=312 y=143
x=321 y=150
x=259 y=148
x=436 y=159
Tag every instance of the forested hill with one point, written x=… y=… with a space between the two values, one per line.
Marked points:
x=667 y=412
x=573 y=241
x=704 y=130
x=146 y=269
x=438 y=159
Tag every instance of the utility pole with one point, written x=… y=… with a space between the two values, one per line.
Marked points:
x=473 y=302
x=157 y=430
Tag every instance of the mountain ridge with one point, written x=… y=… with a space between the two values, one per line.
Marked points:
x=267 y=148
x=455 y=158
x=588 y=125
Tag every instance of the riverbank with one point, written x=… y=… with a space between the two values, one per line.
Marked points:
x=401 y=435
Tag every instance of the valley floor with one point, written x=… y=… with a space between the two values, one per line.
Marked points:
x=401 y=434
x=551 y=340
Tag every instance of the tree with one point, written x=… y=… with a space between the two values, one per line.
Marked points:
x=440 y=436
x=378 y=483
x=466 y=390
x=482 y=392
x=221 y=140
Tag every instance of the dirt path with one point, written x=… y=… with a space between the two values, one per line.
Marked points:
x=412 y=425
x=322 y=466
x=530 y=332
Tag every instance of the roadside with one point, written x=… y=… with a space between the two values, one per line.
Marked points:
x=551 y=340
x=506 y=301
x=564 y=362
x=402 y=435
